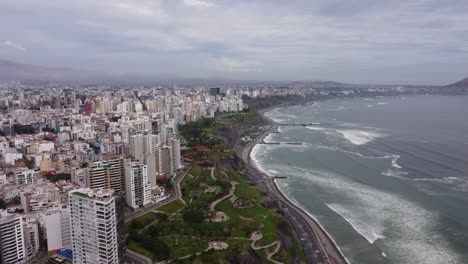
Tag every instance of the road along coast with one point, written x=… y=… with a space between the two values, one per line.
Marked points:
x=317 y=243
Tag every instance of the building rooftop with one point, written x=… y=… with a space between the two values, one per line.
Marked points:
x=99 y=194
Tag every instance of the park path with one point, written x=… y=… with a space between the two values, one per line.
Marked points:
x=231 y=193
x=271 y=254
x=212 y=173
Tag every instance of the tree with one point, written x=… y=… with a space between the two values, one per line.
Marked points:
x=159 y=249
x=57 y=177
x=194 y=214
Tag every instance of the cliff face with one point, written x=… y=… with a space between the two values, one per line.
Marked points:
x=231 y=133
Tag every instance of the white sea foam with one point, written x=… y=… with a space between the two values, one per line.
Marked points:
x=382 y=103
x=316 y=128
x=370 y=105
x=359 y=137
x=370 y=232
x=268 y=138
x=274 y=171
x=394 y=174
x=401 y=228
x=446 y=180
x=394 y=161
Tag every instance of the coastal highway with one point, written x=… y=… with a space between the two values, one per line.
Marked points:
x=318 y=245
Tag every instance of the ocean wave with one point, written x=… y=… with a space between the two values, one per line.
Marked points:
x=394 y=174
x=359 y=137
x=382 y=103
x=394 y=161
x=316 y=128
x=268 y=138
x=285 y=189
x=445 y=180
x=401 y=228
x=367 y=230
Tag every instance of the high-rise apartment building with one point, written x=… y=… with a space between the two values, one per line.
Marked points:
x=107 y=174
x=12 y=242
x=175 y=143
x=96 y=223
x=57 y=228
x=138 y=188
x=150 y=143
x=137 y=146
x=164 y=160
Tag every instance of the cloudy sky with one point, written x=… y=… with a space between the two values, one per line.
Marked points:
x=354 y=41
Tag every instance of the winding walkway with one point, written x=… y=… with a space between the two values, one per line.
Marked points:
x=271 y=254
x=212 y=173
x=231 y=193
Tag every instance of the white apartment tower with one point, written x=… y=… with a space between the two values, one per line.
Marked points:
x=176 y=153
x=137 y=146
x=96 y=222
x=12 y=242
x=137 y=186
x=164 y=163
x=150 y=143
x=57 y=227
x=150 y=162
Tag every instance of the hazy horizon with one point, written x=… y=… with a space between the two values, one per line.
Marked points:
x=356 y=42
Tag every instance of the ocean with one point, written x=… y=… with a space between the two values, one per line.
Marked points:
x=386 y=177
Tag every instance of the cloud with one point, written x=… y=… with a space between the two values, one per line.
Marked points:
x=199 y=3
x=234 y=65
x=358 y=41
x=10 y=44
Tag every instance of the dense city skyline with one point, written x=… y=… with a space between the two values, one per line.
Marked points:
x=392 y=42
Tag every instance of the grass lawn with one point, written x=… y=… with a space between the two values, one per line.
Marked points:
x=183 y=246
x=243 y=115
x=297 y=245
x=171 y=207
x=186 y=238
x=139 y=249
x=145 y=219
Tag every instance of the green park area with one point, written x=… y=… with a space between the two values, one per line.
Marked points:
x=218 y=206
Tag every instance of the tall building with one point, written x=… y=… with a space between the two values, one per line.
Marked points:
x=164 y=163
x=57 y=228
x=96 y=222
x=150 y=142
x=150 y=162
x=107 y=174
x=176 y=153
x=137 y=187
x=12 y=242
x=137 y=146
x=215 y=91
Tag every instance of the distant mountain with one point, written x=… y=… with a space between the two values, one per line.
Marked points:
x=12 y=71
x=317 y=84
x=460 y=84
